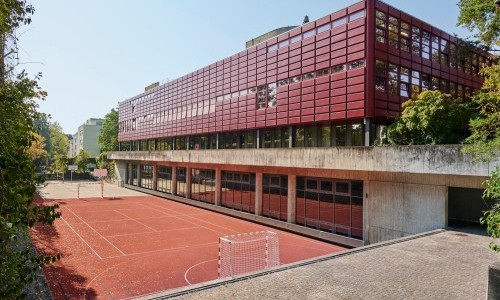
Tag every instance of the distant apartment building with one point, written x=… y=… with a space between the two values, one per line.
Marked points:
x=86 y=138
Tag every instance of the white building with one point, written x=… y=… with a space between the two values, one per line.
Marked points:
x=86 y=138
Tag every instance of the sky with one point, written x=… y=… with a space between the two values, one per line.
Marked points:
x=93 y=54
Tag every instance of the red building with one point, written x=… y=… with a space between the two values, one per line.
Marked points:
x=331 y=82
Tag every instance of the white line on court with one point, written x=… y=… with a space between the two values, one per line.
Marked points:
x=81 y=238
x=135 y=220
x=187 y=271
x=95 y=230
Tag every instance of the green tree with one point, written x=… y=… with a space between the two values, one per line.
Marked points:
x=485 y=127
x=482 y=16
x=17 y=172
x=108 y=138
x=492 y=217
x=60 y=163
x=431 y=118
x=59 y=142
x=82 y=160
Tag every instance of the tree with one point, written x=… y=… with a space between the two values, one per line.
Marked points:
x=485 y=127
x=492 y=217
x=37 y=148
x=59 y=141
x=17 y=172
x=431 y=118
x=108 y=139
x=482 y=16
x=82 y=160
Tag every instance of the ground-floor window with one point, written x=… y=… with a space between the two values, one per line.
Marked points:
x=164 y=179
x=238 y=191
x=133 y=176
x=274 y=196
x=330 y=205
x=203 y=185
x=147 y=176
x=181 y=182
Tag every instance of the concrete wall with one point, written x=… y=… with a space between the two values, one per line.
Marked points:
x=395 y=210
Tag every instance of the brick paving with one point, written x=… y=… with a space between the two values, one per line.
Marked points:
x=444 y=265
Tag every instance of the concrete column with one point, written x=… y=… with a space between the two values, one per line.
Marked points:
x=292 y=198
x=217 y=140
x=174 y=180
x=290 y=136
x=120 y=171
x=188 y=182
x=367 y=129
x=218 y=186
x=155 y=179
x=366 y=195
x=258 y=194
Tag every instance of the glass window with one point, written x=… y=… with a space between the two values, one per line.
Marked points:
x=309 y=33
x=311 y=136
x=435 y=83
x=338 y=68
x=356 y=135
x=295 y=79
x=393 y=32
x=261 y=96
x=203 y=185
x=308 y=76
x=357 y=64
x=284 y=43
x=426 y=79
x=405 y=74
x=380 y=35
x=325 y=133
x=299 y=137
x=357 y=15
x=380 y=76
x=295 y=39
x=426 y=44
x=339 y=22
x=415 y=41
x=283 y=82
x=322 y=72
x=272 y=48
x=340 y=135
x=393 y=79
x=271 y=95
x=324 y=28
x=435 y=49
x=405 y=36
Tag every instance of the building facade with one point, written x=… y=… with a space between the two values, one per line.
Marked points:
x=317 y=90
x=86 y=138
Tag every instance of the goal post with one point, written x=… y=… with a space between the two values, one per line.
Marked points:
x=100 y=185
x=248 y=252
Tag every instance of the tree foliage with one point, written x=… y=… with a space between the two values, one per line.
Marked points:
x=17 y=172
x=108 y=138
x=482 y=16
x=485 y=127
x=59 y=142
x=82 y=160
x=431 y=118
x=37 y=148
x=492 y=217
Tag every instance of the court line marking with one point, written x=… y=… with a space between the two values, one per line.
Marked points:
x=255 y=224
x=187 y=271
x=184 y=215
x=158 y=231
x=71 y=227
x=95 y=230
x=154 y=230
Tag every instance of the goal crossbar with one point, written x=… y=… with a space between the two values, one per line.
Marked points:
x=248 y=252
x=101 y=183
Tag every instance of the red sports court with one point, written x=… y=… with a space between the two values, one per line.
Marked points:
x=124 y=247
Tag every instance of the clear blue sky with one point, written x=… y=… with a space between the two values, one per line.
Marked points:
x=95 y=53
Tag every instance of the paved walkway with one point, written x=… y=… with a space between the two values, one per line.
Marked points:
x=445 y=265
x=68 y=190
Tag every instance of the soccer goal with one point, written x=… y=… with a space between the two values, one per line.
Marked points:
x=90 y=189
x=248 y=252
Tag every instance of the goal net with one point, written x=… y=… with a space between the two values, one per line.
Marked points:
x=90 y=189
x=248 y=252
